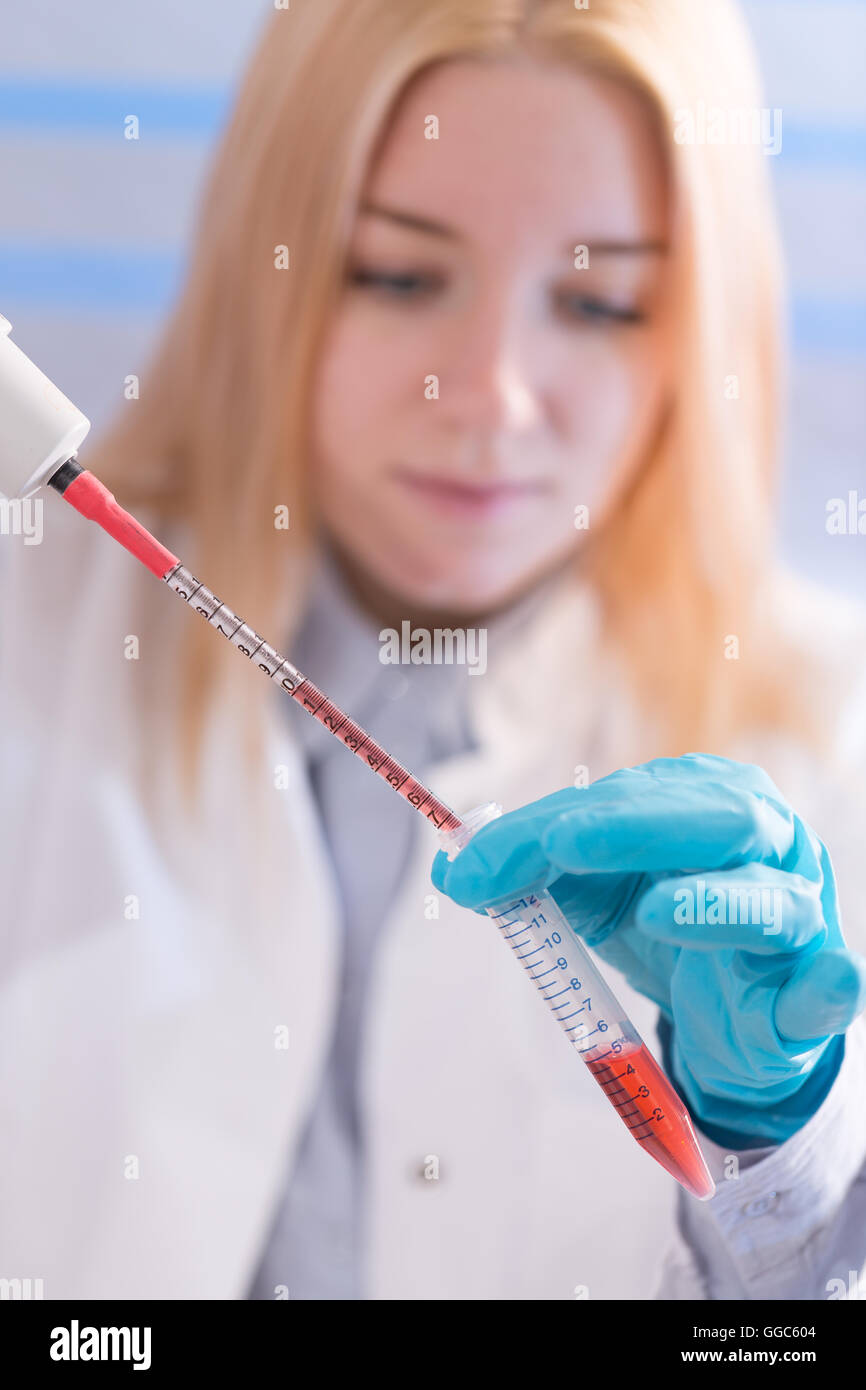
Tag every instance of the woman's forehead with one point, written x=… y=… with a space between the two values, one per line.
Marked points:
x=541 y=144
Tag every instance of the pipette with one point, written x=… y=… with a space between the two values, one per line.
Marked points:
x=40 y=431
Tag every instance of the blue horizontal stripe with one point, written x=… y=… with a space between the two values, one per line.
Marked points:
x=66 y=109
x=87 y=278
x=834 y=146
x=829 y=327
x=69 y=110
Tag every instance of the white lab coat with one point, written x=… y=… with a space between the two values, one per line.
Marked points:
x=148 y=1111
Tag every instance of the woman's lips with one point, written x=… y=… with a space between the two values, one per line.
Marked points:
x=475 y=501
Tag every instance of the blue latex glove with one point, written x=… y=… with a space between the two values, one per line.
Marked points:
x=754 y=1008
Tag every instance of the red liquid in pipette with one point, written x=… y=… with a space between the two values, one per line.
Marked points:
x=652 y=1111
x=631 y=1078
x=93 y=500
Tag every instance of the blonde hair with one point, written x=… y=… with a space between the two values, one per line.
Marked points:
x=220 y=436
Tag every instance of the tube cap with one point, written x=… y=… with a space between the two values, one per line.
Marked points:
x=452 y=841
x=39 y=428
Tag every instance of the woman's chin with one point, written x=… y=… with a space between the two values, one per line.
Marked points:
x=447 y=583
x=459 y=590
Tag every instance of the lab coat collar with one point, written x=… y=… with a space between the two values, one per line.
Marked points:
x=526 y=733
x=338 y=641
x=555 y=628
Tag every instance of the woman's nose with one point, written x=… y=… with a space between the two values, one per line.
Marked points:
x=487 y=378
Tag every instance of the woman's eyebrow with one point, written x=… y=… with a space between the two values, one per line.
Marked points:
x=409 y=219
x=651 y=246
x=412 y=220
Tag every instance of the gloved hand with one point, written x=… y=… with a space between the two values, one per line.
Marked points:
x=695 y=879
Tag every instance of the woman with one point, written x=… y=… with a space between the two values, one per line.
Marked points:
x=468 y=340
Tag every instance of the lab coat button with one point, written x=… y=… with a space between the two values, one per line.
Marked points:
x=761 y=1205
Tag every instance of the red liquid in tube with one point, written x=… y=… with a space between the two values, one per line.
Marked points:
x=650 y=1108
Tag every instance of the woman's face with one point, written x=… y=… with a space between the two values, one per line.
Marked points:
x=475 y=386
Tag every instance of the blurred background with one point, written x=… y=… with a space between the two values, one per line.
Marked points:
x=95 y=229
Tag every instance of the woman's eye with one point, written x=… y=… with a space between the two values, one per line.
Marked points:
x=581 y=308
x=401 y=285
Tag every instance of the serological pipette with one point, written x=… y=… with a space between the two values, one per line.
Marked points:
x=40 y=432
